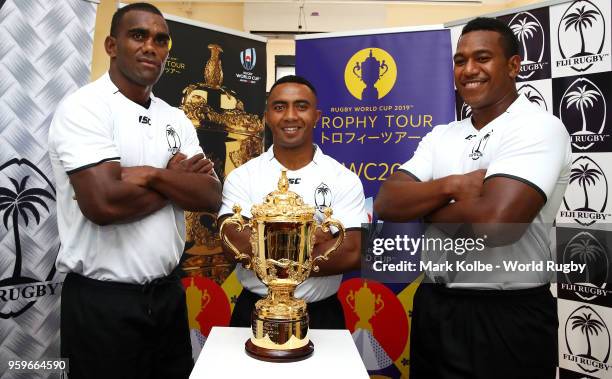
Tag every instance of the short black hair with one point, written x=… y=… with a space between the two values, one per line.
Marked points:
x=294 y=79
x=131 y=7
x=509 y=40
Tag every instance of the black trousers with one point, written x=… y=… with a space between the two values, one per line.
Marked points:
x=483 y=334
x=120 y=330
x=323 y=314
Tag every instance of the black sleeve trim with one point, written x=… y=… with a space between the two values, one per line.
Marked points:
x=530 y=184
x=354 y=228
x=409 y=174
x=92 y=165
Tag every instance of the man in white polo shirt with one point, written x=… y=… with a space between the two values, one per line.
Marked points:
x=126 y=165
x=501 y=175
x=291 y=113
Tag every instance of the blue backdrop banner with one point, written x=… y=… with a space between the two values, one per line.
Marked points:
x=379 y=95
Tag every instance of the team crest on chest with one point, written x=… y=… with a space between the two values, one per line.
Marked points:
x=322 y=197
x=173 y=138
x=479 y=146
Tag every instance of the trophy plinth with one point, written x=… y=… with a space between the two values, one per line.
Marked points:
x=282 y=240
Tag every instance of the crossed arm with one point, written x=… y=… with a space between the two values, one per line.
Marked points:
x=108 y=193
x=499 y=207
x=345 y=258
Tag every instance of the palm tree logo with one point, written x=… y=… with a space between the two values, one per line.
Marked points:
x=524 y=30
x=586 y=321
x=580 y=20
x=582 y=98
x=174 y=141
x=579 y=197
x=587 y=249
x=15 y=205
x=533 y=95
x=585 y=176
x=586 y=252
x=588 y=326
x=322 y=196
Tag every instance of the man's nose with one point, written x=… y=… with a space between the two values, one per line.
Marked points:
x=291 y=113
x=149 y=46
x=471 y=67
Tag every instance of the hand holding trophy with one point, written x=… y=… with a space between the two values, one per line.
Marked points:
x=282 y=240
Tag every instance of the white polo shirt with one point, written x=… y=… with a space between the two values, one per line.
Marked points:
x=98 y=124
x=525 y=143
x=322 y=183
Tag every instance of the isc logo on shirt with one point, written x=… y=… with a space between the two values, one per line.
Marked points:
x=144 y=120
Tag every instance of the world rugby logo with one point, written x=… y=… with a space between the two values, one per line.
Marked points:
x=27 y=202
x=530 y=32
x=587 y=339
x=586 y=195
x=533 y=95
x=581 y=34
x=584 y=248
x=248 y=58
x=583 y=105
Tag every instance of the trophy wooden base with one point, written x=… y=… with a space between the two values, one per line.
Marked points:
x=277 y=355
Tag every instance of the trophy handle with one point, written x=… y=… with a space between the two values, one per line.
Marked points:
x=384 y=65
x=237 y=220
x=350 y=299
x=327 y=222
x=205 y=299
x=356 y=68
x=380 y=301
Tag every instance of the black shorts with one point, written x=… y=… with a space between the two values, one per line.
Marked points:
x=323 y=314
x=483 y=334
x=120 y=330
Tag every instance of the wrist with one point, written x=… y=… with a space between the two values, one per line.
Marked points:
x=153 y=176
x=450 y=184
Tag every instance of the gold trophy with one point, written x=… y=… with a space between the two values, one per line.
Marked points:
x=282 y=239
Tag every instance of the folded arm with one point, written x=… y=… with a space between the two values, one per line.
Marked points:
x=189 y=183
x=105 y=199
x=401 y=198
x=502 y=211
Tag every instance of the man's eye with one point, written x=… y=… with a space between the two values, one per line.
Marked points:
x=162 y=41
x=459 y=62
x=279 y=107
x=483 y=59
x=138 y=36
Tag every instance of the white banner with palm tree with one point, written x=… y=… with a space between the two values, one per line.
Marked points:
x=45 y=53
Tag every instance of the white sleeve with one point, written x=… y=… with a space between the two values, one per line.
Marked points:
x=420 y=166
x=348 y=202
x=81 y=133
x=192 y=144
x=534 y=153
x=234 y=192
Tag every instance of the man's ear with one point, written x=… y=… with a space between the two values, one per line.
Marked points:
x=110 y=45
x=514 y=66
x=318 y=116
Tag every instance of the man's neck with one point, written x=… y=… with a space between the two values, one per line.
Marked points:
x=483 y=116
x=294 y=159
x=129 y=89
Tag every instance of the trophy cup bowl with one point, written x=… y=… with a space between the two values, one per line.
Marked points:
x=282 y=240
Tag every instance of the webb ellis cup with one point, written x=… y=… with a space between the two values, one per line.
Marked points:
x=282 y=240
